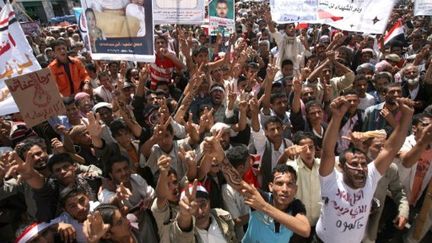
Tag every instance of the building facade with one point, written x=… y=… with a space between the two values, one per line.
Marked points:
x=44 y=10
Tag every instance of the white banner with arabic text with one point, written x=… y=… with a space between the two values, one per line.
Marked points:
x=290 y=11
x=423 y=8
x=178 y=12
x=367 y=16
x=16 y=56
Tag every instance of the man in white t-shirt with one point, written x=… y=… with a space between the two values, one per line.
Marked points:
x=347 y=195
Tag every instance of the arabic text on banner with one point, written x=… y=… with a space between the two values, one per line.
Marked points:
x=119 y=30
x=178 y=12
x=423 y=7
x=16 y=56
x=221 y=17
x=289 y=11
x=37 y=96
x=367 y=16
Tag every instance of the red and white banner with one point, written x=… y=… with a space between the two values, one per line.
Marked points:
x=16 y=56
x=396 y=30
x=367 y=16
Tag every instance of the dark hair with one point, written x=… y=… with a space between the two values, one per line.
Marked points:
x=107 y=212
x=69 y=192
x=300 y=135
x=353 y=150
x=171 y=171
x=25 y=145
x=284 y=168
x=160 y=36
x=58 y=42
x=238 y=155
x=312 y=103
x=90 y=67
x=161 y=83
x=272 y=119
x=275 y=96
x=103 y=74
x=391 y=85
x=112 y=160
x=201 y=49
x=350 y=92
x=112 y=63
x=89 y=10
x=286 y=62
x=116 y=126
x=359 y=77
x=59 y=158
x=385 y=75
x=68 y=100
x=222 y=1
x=418 y=117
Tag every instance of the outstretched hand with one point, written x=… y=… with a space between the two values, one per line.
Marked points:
x=94 y=227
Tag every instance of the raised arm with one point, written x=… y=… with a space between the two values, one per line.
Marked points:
x=339 y=107
x=411 y=157
x=397 y=138
x=299 y=224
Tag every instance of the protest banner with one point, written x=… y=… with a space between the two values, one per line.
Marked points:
x=119 y=30
x=178 y=12
x=221 y=17
x=367 y=16
x=423 y=8
x=37 y=96
x=31 y=28
x=16 y=56
x=289 y=11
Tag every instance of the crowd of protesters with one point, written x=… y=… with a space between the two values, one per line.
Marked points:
x=278 y=133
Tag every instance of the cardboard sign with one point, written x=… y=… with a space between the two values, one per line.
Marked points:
x=37 y=96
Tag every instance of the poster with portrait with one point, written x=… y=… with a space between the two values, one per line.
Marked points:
x=178 y=11
x=221 y=17
x=119 y=29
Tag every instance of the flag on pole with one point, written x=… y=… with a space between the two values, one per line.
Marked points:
x=396 y=30
x=16 y=56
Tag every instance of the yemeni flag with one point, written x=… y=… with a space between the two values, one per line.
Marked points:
x=396 y=30
x=326 y=15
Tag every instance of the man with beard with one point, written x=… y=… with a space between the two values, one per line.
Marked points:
x=390 y=182
x=84 y=103
x=289 y=46
x=383 y=115
x=347 y=195
x=37 y=148
x=412 y=88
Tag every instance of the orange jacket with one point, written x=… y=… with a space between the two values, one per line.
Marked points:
x=78 y=74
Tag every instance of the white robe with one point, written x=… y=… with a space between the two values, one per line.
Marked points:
x=138 y=12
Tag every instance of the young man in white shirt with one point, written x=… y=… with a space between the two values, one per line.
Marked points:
x=416 y=172
x=306 y=166
x=234 y=203
x=347 y=195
